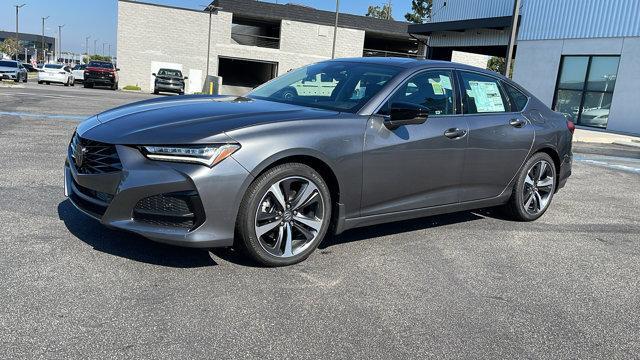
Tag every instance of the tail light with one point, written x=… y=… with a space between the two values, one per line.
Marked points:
x=570 y=125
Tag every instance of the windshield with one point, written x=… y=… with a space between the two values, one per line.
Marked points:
x=169 y=72
x=53 y=66
x=99 y=64
x=8 y=64
x=339 y=86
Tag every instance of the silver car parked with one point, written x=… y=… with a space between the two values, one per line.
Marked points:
x=13 y=70
x=276 y=171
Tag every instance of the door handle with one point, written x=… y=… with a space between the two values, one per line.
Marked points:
x=517 y=122
x=455 y=133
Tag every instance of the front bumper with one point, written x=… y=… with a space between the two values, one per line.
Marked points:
x=169 y=87
x=219 y=190
x=9 y=76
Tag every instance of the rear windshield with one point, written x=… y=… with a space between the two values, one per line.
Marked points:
x=8 y=64
x=53 y=66
x=100 y=64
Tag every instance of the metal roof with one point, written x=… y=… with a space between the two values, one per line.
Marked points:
x=26 y=37
x=270 y=11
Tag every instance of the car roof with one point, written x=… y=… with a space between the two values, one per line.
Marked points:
x=410 y=63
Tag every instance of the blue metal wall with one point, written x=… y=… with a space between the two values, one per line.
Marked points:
x=572 y=19
x=470 y=9
x=552 y=19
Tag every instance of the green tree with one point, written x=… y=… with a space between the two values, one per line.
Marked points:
x=95 y=57
x=380 y=12
x=498 y=64
x=9 y=46
x=420 y=11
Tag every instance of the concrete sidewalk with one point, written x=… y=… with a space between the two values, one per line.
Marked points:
x=601 y=137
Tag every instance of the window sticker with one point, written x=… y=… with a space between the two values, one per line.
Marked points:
x=437 y=87
x=486 y=96
x=445 y=81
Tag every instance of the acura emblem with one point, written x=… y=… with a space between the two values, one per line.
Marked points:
x=78 y=155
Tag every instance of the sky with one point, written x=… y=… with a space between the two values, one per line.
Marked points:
x=98 y=18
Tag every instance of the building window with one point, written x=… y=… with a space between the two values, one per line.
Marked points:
x=585 y=88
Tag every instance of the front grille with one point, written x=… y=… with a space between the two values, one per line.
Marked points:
x=104 y=197
x=177 y=210
x=93 y=157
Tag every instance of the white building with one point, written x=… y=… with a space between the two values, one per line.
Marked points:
x=251 y=41
x=581 y=57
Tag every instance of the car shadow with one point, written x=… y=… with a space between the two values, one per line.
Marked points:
x=128 y=245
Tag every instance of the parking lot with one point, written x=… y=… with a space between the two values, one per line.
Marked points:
x=466 y=285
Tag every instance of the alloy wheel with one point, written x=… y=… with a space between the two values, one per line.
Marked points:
x=289 y=216
x=538 y=187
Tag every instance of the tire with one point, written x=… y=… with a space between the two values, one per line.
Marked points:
x=114 y=86
x=156 y=92
x=40 y=82
x=26 y=78
x=67 y=83
x=73 y=83
x=88 y=85
x=48 y=83
x=533 y=192
x=306 y=221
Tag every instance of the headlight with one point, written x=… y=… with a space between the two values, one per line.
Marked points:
x=208 y=155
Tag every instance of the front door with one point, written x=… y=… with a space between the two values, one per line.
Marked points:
x=500 y=137
x=415 y=166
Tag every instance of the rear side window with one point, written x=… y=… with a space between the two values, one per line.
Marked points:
x=517 y=98
x=482 y=94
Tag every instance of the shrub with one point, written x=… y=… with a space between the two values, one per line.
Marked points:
x=132 y=87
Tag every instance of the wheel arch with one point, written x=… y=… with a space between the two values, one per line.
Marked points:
x=555 y=156
x=315 y=161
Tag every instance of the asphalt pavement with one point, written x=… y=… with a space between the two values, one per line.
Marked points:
x=464 y=285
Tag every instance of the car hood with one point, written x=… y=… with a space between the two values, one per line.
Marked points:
x=6 y=68
x=189 y=119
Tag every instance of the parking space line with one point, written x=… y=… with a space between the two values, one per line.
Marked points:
x=41 y=95
x=45 y=116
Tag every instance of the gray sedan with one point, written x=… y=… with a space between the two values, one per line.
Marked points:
x=278 y=170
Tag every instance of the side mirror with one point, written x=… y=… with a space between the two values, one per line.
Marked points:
x=403 y=113
x=154 y=74
x=186 y=77
x=117 y=69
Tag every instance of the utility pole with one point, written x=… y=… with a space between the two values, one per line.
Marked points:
x=514 y=34
x=60 y=40
x=335 y=30
x=18 y=7
x=86 y=45
x=389 y=10
x=44 y=52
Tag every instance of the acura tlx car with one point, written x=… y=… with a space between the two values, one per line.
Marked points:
x=275 y=171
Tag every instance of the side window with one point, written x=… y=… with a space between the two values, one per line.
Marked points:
x=430 y=89
x=518 y=99
x=482 y=94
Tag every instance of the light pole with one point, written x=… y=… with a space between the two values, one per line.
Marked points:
x=211 y=8
x=60 y=40
x=86 y=45
x=335 y=30
x=512 y=39
x=44 y=52
x=18 y=7
x=103 y=46
x=109 y=50
x=95 y=44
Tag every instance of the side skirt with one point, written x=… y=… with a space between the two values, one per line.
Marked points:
x=347 y=224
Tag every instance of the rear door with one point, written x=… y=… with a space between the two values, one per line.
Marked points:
x=500 y=137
